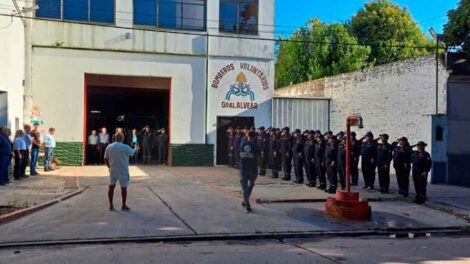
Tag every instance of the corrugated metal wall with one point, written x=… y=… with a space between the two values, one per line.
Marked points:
x=301 y=113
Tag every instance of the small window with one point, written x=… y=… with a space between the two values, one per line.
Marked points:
x=76 y=10
x=439 y=133
x=102 y=11
x=239 y=16
x=145 y=12
x=48 y=9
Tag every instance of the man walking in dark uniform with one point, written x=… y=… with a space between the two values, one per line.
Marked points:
x=402 y=164
x=274 y=152
x=355 y=154
x=422 y=164
x=163 y=141
x=369 y=155
x=384 y=157
x=249 y=154
x=331 y=153
x=319 y=155
x=286 y=151
x=309 y=161
x=298 y=156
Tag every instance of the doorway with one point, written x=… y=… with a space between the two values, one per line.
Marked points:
x=223 y=123
x=127 y=102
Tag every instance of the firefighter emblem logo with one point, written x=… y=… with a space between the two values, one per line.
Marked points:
x=240 y=88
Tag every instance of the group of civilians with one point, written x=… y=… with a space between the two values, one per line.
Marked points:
x=23 y=150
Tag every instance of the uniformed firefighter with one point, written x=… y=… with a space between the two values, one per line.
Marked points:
x=236 y=147
x=275 y=152
x=263 y=143
x=402 y=164
x=384 y=157
x=286 y=152
x=163 y=141
x=298 y=156
x=230 y=147
x=368 y=157
x=331 y=153
x=147 y=143
x=422 y=164
x=342 y=162
x=319 y=155
x=355 y=155
x=309 y=161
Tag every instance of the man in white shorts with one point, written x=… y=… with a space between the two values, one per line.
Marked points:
x=116 y=157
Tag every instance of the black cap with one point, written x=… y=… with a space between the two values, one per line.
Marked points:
x=384 y=135
x=286 y=128
x=353 y=134
x=421 y=143
x=403 y=139
x=298 y=131
x=261 y=128
x=369 y=134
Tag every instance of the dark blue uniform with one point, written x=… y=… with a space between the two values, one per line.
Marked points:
x=5 y=157
x=402 y=166
x=162 y=148
x=369 y=156
x=319 y=155
x=331 y=153
x=422 y=164
x=249 y=154
x=275 y=155
x=298 y=156
x=355 y=154
x=342 y=165
x=230 y=149
x=263 y=159
x=236 y=149
x=286 y=151
x=309 y=162
x=384 y=157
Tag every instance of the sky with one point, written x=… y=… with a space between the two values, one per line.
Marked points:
x=291 y=14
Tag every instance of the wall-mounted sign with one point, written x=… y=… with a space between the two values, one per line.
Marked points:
x=243 y=82
x=35 y=114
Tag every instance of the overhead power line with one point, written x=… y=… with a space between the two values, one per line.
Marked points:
x=226 y=36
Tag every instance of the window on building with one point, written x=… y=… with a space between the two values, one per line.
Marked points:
x=48 y=9
x=175 y=14
x=439 y=133
x=100 y=11
x=239 y=16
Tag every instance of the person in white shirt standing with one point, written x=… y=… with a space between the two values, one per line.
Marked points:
x=49 y=145
x=19 y=150
x=116 y=157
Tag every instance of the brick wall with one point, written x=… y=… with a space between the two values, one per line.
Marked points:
x=396 y=98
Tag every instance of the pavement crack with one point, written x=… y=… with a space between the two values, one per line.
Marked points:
x=310 y=251
x=172 y=211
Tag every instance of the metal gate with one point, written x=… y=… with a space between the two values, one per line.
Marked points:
x=301 y=113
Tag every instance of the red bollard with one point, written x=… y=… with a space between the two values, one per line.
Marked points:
x=347 y=204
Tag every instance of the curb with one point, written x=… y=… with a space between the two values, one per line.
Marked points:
x=397 y=233
x=319 y=200
x=27 y=211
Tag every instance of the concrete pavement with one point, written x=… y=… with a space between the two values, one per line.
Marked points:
x=169 y=202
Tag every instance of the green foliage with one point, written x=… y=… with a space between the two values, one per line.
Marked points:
x=391 y=32
x=457 y=30
x=317 y=51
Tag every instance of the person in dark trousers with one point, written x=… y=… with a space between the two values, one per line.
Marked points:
x=230 y=148
x=236 y=147
x=319 y=155
x=28 y=141
x=298 y=156
x=134 y=142
x=92 y=148
x=331 y=154
x=19 y=149
x=5 y=156
x=309 y=161
x=342 y=162
x=104 y=142
x=147 y=143
x=286 y=152
x=274 y=152
x=355 y=155
x=264 y=146
x=369 y=156
x=402 y=164
x=36 y=144
x=384 y=157
x=422 y=164
x=249 y=154
x=163 y=141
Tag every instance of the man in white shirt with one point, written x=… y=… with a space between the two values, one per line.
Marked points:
x=116 y=158
x=49 y=145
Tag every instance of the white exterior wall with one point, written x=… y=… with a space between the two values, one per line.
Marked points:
x=397 y=98
x=12 y=63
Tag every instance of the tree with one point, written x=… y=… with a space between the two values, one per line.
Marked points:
x=317 y=51
x=388 y=29
x=457 y=30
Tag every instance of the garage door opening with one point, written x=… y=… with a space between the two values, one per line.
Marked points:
x=126 y=102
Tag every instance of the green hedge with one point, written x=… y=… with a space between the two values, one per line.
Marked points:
x=68 y=153
x=192 y=155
